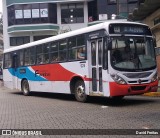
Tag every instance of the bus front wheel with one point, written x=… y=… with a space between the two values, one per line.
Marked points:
x=25 y=88
x=80 y=94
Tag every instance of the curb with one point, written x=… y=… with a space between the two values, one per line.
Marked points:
x=153 y=94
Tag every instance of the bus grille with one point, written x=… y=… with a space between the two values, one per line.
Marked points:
x=137 y=75
x=142 y=81
x=138 y=88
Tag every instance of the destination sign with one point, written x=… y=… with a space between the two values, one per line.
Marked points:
x=129 y=29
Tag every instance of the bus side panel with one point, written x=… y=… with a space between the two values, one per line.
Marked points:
x=50 y=86
x=53 y=86
x=79 y=69
x=7 y=79
x=105 y=78
x=54 y=77
x=48 y=78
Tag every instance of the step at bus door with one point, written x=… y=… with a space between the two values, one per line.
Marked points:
x=15 y=71
x=96 y=66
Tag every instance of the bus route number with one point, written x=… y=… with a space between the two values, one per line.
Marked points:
x=82 y=65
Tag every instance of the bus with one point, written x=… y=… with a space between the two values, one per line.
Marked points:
x=117 y=59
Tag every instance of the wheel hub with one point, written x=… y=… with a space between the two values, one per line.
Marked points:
x=80 y=91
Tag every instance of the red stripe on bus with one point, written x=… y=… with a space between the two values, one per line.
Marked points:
x=55 y=72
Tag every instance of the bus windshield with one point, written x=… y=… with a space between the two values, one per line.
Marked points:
x=132 y=53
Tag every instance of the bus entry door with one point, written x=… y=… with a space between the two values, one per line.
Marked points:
x=15 y=71
x=96 y=66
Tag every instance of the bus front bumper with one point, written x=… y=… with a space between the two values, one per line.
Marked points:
x=127 y=89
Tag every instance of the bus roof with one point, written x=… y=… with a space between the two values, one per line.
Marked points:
x=71 y=33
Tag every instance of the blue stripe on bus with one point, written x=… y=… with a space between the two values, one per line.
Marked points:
x=29 y=75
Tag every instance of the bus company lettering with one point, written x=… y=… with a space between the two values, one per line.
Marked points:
x=42 y=73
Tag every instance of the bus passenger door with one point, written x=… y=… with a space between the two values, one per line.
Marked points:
x=96 y=66
x=15 y=71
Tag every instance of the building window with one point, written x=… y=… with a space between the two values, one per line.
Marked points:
x=156 y=20
x=92 y=11
x=39 y=37
x=16 y=41
x=123 y=8
x=72 y=13
x=32 y=13
x=11 y=16
x=112 y=1
x=131 y=7
x=132 y=1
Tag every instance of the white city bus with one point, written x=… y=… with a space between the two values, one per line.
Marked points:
x=110 y=59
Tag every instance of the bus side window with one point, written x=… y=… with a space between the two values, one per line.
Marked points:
x=39 y=54
x=21 y=57
x=72 y=54
x=26 y=56
x=81 y=53
x=54 y=52
x=76 y=46
x=63 y=50
x=40 y=59
x=72 y=48
x=32 y=58
x=46 y=53
x=81 y=49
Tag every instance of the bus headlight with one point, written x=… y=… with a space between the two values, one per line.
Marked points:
x=118 y=79
x=154 y=78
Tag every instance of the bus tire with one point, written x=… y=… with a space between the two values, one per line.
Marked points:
x=80 y=94
x=25 y=88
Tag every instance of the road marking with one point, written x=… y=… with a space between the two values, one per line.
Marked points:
x=103 y=106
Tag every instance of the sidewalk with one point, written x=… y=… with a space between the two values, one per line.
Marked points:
x=1 y=83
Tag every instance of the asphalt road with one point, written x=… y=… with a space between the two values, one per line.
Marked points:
x=61 y=111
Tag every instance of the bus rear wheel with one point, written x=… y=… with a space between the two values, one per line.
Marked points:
x=80 y=94
x=25 y=88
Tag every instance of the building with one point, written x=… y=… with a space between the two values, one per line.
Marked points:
x=30 y=20
x=148 y=12
x=1 y=39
